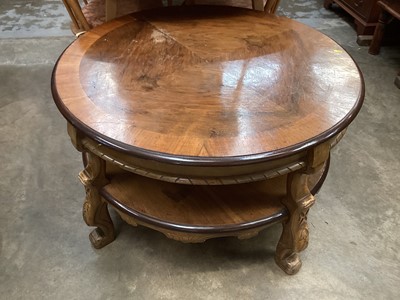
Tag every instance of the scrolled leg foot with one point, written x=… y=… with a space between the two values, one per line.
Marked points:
x=294 y=238
x=289 y=263
x=95 y=211
x=298 y=201
x=104 y=233
x=99 y=239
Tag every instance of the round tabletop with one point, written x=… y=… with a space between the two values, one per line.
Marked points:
x=205 y=84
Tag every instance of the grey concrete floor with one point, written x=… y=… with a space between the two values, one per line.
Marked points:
x=45 y=252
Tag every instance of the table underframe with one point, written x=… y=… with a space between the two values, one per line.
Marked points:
x=107 y=182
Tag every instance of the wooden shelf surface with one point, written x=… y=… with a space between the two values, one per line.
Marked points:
x=197 y=208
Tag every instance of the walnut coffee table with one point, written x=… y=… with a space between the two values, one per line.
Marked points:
x=204 y=122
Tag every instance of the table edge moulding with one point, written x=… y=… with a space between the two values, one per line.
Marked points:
x=246 y=161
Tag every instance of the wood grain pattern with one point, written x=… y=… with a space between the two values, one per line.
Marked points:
x=197 y=208
x=198 y=213
x=207 y=84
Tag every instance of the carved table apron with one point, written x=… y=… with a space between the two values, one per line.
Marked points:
x=204 y=122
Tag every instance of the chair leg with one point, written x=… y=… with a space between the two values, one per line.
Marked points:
x=375 y=46
x=77 y=11
x=71 y=14
x=270 y=6
x=273 y=9
x=95 y=212
x=258 y=4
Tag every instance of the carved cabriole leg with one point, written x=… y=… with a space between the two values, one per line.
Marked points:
x=93 y=177
x=95 y=212
x=298 y=201
x=294 y=237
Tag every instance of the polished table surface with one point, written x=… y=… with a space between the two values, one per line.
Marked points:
x=166 y=89
x=203 y=122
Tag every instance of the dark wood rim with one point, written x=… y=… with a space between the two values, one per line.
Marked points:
x=209 y=161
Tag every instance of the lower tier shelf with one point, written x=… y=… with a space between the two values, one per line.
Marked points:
x=193 y=213
x=199 y=209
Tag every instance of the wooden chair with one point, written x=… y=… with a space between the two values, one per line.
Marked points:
x=95 y=12
x=389 y=9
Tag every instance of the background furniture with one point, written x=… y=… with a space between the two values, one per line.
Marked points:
x=389 y=9
x=203 y=122
x=364 y=12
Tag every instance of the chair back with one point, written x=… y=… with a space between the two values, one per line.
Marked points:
x=270 y=6
x=94 y=12
x=79 y=23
